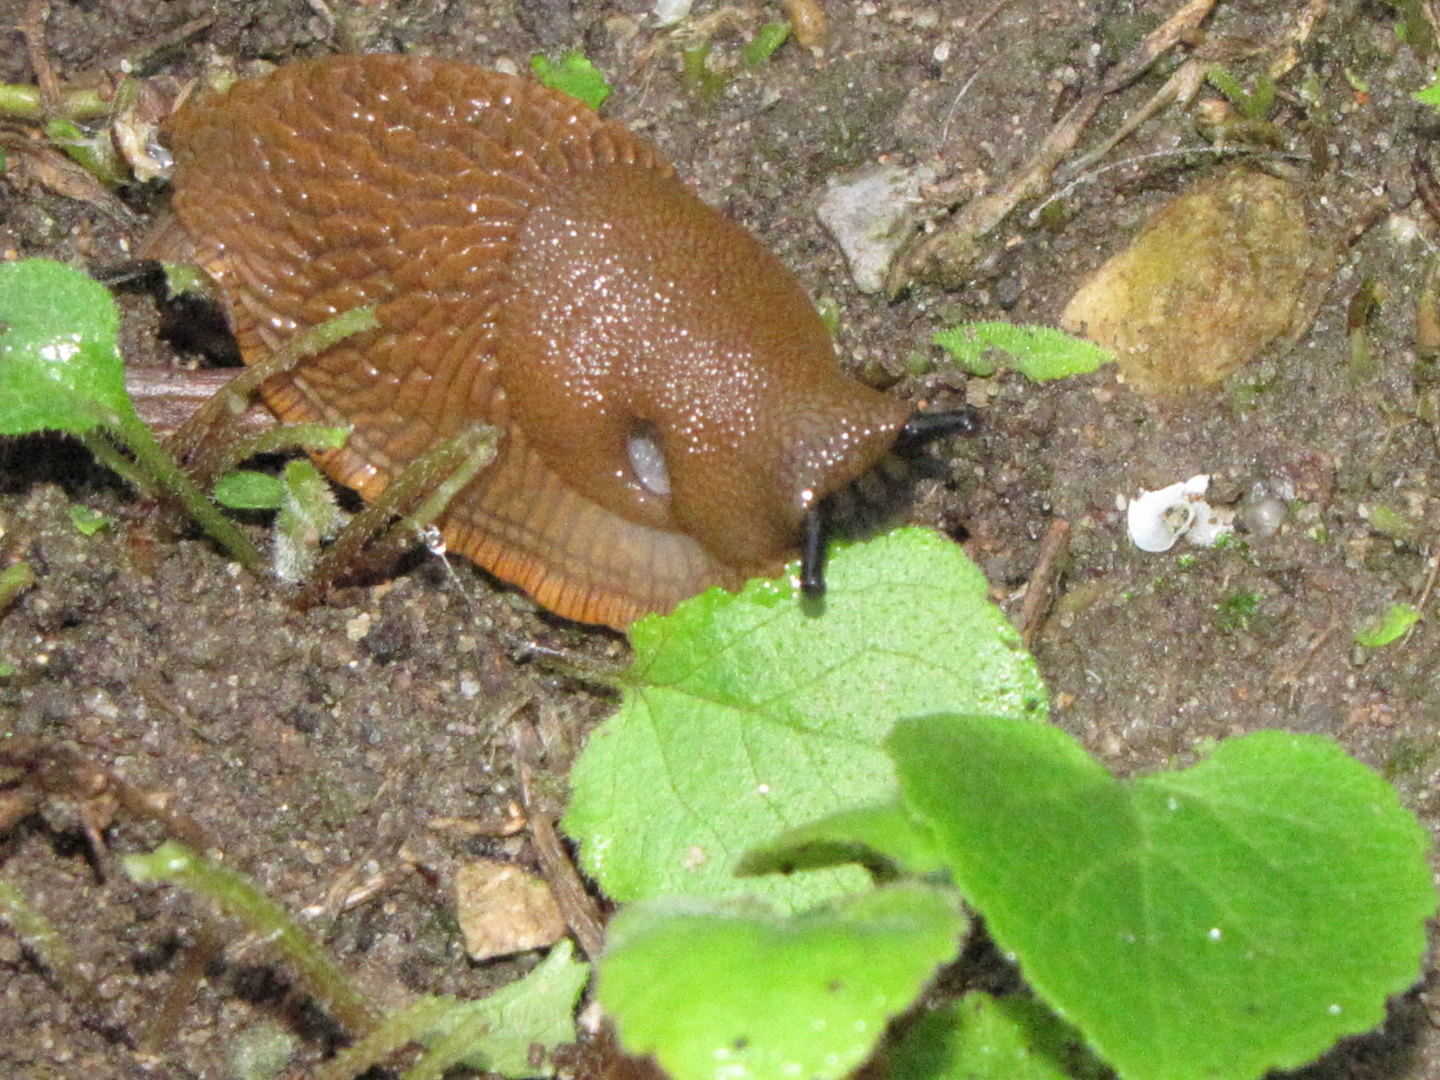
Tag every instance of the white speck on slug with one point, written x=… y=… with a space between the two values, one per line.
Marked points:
x=648 y=461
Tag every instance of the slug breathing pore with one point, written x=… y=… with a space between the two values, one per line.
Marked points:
x=674 y=414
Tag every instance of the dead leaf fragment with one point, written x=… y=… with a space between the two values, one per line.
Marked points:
x=504 y=909
x=1216 y=276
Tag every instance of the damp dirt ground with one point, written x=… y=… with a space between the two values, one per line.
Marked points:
x=367 y=742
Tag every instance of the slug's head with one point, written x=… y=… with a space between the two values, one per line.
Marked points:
x=874 y=498
x=675 y=373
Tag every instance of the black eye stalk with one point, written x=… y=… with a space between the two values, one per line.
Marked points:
x=874 y=499
x=812 y=553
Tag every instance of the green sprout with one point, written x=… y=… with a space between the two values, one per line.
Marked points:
x=1389 y=627
x=14 y=580
x=1039 y=353
x=495 y=1034
x=1254 y=105
x=88 y=522
x=237 y=897
x=1236 y=610
x=770 y=37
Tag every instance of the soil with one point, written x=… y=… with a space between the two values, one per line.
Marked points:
x=348 y=744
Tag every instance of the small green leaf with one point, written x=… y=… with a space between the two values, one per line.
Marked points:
x=771 y=37
x=88 y=522
x=1398 y=525
x=245 y=489
x=574 y=75
x=733 y=992
x=745 y=715
x=496 y=1033
x=96 y=154
x=1037 y=352
x=984 y=1038
x=60 y=365
x=1389 y=627
x=1430 y=95
x=1237 y=916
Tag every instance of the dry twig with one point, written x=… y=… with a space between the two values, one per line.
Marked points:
x=1037 y=592
x=945 y=255
x=581 y=912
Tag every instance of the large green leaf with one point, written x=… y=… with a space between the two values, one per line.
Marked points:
x=1237 y=916
x=745 y=716
x=734 y=992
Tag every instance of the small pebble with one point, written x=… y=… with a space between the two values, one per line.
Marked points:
x=1265 y=516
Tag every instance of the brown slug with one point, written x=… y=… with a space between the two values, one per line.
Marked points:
x=673 y=411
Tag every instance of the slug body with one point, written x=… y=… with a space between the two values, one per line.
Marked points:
x=671 y=402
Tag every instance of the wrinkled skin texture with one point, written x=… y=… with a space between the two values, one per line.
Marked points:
x=539 y=268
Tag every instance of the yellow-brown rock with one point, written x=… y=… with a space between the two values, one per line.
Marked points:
x=1217 y=275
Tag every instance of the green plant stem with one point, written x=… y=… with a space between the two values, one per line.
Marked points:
x=437 y=476
x=266 y=919
x=24 y=103
x=203 y=437
x=282 y=438
x=456 y=463
x=152 y=458
x=394 y=1031
x=14 y=581
x=45 y=942
x=106 y=453
x=470 y=1026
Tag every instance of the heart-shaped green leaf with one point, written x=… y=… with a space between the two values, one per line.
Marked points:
x=731 y=991
x=748 y=715
x=1237 y=916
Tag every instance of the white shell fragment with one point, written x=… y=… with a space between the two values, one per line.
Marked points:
x=1156 y=519
x=870 y=214
x=1210 y=525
